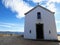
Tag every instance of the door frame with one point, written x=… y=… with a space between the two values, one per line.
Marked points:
x=42 y=31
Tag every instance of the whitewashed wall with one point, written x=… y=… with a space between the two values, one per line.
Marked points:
x=47 y=19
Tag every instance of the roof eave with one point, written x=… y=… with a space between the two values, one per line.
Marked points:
x=41 y=7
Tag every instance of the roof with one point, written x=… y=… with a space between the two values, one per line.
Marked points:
x=41 y=7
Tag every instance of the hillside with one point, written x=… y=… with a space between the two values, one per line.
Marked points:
x=8 y=32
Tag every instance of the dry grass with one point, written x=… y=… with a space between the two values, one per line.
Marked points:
x=18 y=40
x=4 y=35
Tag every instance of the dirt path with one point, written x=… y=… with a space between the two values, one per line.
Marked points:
x=20 y=41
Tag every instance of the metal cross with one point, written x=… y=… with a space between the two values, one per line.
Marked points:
x=37 y=3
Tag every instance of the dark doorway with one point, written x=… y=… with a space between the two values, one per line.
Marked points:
x=39 y=31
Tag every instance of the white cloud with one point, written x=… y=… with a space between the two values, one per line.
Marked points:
x=51 y=6
x=8 y=25
x=58 y=25
x=18 y=6
x=37 y=1
x=5 y=26
x=22 y=7
x=48 y=1
x=11 y=27
x=58 y=30
x=54 y=1
x=57 y=21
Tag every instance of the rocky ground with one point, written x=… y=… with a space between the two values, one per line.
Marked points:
x=18 y=40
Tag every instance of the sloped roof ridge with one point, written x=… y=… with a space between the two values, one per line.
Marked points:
x=41 y=7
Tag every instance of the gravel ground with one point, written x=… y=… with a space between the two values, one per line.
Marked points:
x=14 y=40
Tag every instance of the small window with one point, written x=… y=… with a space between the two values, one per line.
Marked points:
x=38 y=15
x=30 y=31
x=49 y=31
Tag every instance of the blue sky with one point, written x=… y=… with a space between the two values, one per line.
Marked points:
x=12 y=13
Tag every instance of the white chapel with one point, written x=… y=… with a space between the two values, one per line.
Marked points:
x=40 y=24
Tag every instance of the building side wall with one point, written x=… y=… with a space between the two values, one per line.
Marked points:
x=47 y=19
x=30 y=25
